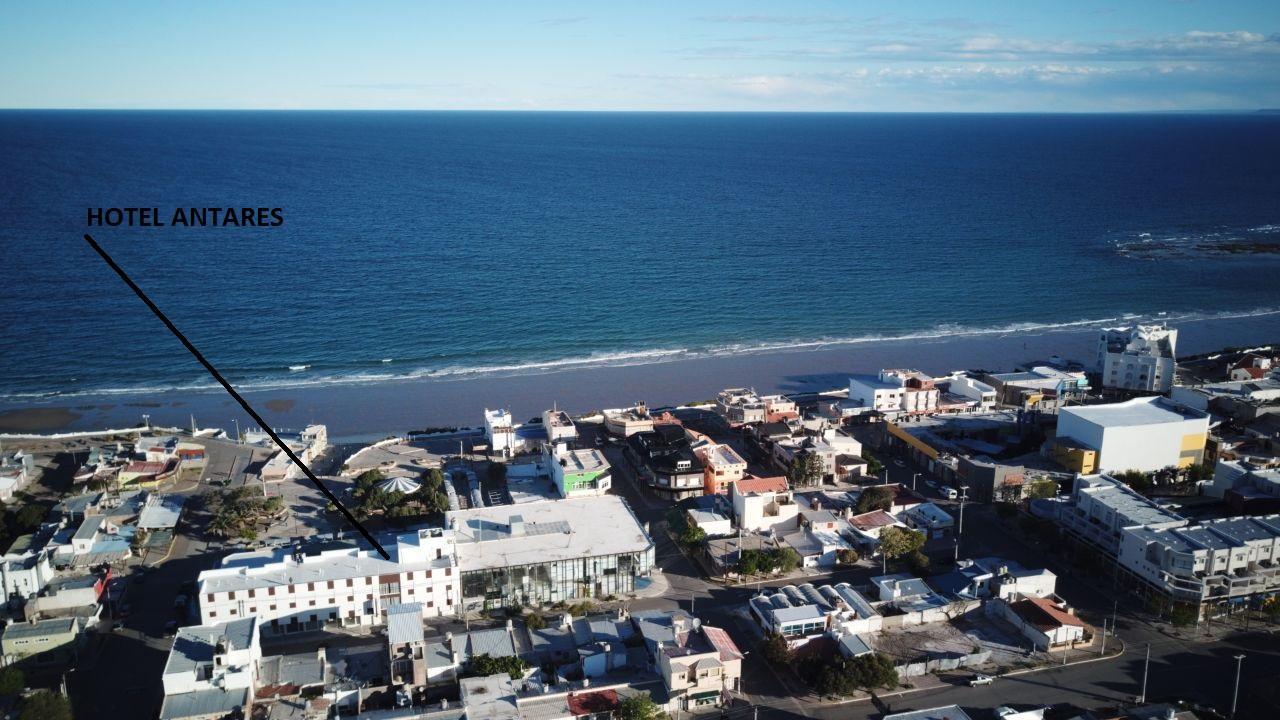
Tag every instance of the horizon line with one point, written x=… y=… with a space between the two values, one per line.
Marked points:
x=1181 y=111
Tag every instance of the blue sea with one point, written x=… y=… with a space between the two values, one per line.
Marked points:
x=464 y=244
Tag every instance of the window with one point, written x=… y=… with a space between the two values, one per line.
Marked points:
x=271 y=590
x=349 y=582
x=210 y=596
x=253 y=593
x=330 y=584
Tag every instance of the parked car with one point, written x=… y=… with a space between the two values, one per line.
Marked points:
x=949 y=493
x=899 y=463
x=977 y=680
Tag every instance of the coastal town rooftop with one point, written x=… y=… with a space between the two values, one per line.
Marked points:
x=1138 y=411
x=546 y=531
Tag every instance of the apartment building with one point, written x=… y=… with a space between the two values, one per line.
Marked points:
x=980 y=396
x=1101 y=507
x=559 y=427
x=740 y=406
x=1140 y=357
x=1211 y=561
x=700 y=666
x=298 y=589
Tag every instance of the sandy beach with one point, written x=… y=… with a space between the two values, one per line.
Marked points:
x=357 y=412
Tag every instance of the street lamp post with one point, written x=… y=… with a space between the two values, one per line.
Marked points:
x=913 y=481
x=1235 y=696
x=964 y=495
x=1146 y=665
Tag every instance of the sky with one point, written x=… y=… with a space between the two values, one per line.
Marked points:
x=1012 y=56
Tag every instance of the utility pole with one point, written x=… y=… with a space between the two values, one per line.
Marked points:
x=964 y=495
x=1104 y=637
x=913 y=481
x=1146 y=665
x=1235 y=696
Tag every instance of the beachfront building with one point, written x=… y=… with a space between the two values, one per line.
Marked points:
x=1101 y=507
x=894 y=392
x=1243 y=401
x=1251 y=366
x=1041 y=387
x=628 y=421
x=978 y=395
x=739 y=406
x=500 y=431
x=577 y=472
x=299 y=589
x=559 y=427
x=549 y=551
x=1138 y=358
x=764 y=504
x=1146 y=434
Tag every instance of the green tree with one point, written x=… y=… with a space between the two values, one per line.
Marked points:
x=693 y=535
x=874 y=670
x=919 y=562
x=45 y=705
x=874 y=466
x=785 y=559
x=876 y=497
x=805 y=470
x=12 y=681
x=485 y=665
x=896 y=542
x=1135 y=479
x=776 y=650
x=749 y=562
x=534 y=621
x=1043 y=489
x=638 y=707
x=1183 y=615
x=848 y=556
x=30 y=517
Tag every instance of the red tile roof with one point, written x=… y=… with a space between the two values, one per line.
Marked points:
x=873 y=519
x=759 y=484
x=1044 y=614
x=594 y=702
x=145 y=468
x=722 y=642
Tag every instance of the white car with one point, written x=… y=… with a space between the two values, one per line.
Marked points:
x=977 y=680
x=949 y=493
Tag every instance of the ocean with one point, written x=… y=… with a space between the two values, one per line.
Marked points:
x=442 y=245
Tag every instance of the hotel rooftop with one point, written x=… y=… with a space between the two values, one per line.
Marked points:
x=548 y=531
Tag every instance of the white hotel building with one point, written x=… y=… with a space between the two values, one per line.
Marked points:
x=290 y=591
x=531 y=553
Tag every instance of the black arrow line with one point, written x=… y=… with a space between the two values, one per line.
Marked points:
x=232 y=392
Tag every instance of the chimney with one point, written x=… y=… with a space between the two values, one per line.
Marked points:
x=814 y=504
x=321 y=656
x=586 y=682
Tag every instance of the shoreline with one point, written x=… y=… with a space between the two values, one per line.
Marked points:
x=364 y=411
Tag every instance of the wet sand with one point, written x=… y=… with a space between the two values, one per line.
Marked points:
x=359 y=412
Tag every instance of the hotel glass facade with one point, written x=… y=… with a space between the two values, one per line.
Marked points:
x=554 y=581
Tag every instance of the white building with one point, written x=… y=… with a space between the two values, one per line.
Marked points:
x=578 y=472
x=1102 y=506
x=1147 y=434
x=740 y=406
x=297 y=590
x=763 y=504
x=929 y=519
x=894 y=392
x=1214 y=560
x=830 y=445
x=981 y=395
x=211 y=670
x=500 y=431
x=1046 y=623
x=560 y=428
x=993 y=577
x=549 y=551
x=801 y=613
x=1138 y=358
